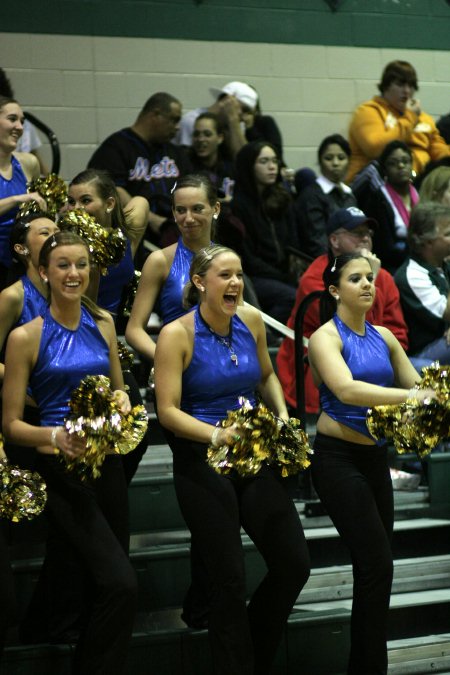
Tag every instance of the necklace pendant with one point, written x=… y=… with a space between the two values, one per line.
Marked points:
x=234 y=358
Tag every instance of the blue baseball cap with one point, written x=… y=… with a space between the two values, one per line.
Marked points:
x=349 y=219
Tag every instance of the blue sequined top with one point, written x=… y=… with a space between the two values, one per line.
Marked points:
x=34 y=303
x=171 y=295
x=16 y=185
x=213 y=383
x=112 y=284
x=368 y=359
x=65 y=358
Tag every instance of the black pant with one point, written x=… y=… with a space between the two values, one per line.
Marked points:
x=243 y=641
x=132 y=459
x=8 y=608
x=354 y=484
x=92 y=518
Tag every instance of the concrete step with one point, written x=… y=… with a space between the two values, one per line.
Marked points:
x=313 y=644
x=417 y=656
x=336 y=583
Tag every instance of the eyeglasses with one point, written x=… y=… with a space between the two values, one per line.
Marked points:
x=357 y=234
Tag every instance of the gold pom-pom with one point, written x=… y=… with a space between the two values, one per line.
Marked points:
x=53 y=189
x=416 y=426
x=22 y=493
x=107 y=247
x=25 y=208
x=263 y=438
x=95 y=416
x=129 y=294
x=292 y=450
x=126 y=356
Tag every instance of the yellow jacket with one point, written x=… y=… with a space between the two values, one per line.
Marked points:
x=375 y=124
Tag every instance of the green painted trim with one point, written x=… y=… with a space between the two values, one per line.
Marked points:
x=409 y=24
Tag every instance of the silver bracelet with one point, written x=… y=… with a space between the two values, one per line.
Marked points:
x=412 y=393
x=53 y=442
x=214 y=437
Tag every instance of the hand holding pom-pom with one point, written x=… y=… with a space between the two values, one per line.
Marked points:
x=420 y=423
x=105 y=420
x=258 y=437
x=107 y=247
x=53 y=190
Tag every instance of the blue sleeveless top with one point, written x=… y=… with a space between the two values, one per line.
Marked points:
x=171 y=295
x=213 y=383
x=17 y=185
x=368 y=359
x=34 y=303
x=112 y=284
x=65 y=358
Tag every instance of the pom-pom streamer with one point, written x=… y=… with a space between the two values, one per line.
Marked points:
x=107 y=247
x=262 y=439
x=416 y=426
x=23 y=493
x=95 y=416
x=53 y=189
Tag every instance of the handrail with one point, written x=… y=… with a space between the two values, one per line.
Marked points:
x=299 y=356
x=54 y=143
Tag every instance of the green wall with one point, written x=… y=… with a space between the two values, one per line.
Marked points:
x=412 y=24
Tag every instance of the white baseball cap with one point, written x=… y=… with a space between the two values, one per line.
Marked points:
x=243 y=92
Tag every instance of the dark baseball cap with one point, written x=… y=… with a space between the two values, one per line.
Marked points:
x=349 y=219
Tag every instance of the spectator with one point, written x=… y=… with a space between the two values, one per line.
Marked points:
x=143 y=162
x=232 y=102
x=391 y=203
x=436 y=186
x=264 y=208
x=395 y=115
x=206 y=154
x=259 y=127
x=349 y=231
x=424 y=284
x=327 y=194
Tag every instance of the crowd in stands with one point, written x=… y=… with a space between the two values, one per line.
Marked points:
x=176 y=183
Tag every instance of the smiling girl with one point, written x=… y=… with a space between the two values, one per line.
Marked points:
x=52 y=354
x=195 y=208
x=205 y=361
x=16 y=169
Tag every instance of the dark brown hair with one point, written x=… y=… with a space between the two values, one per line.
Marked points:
x=398 y=71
